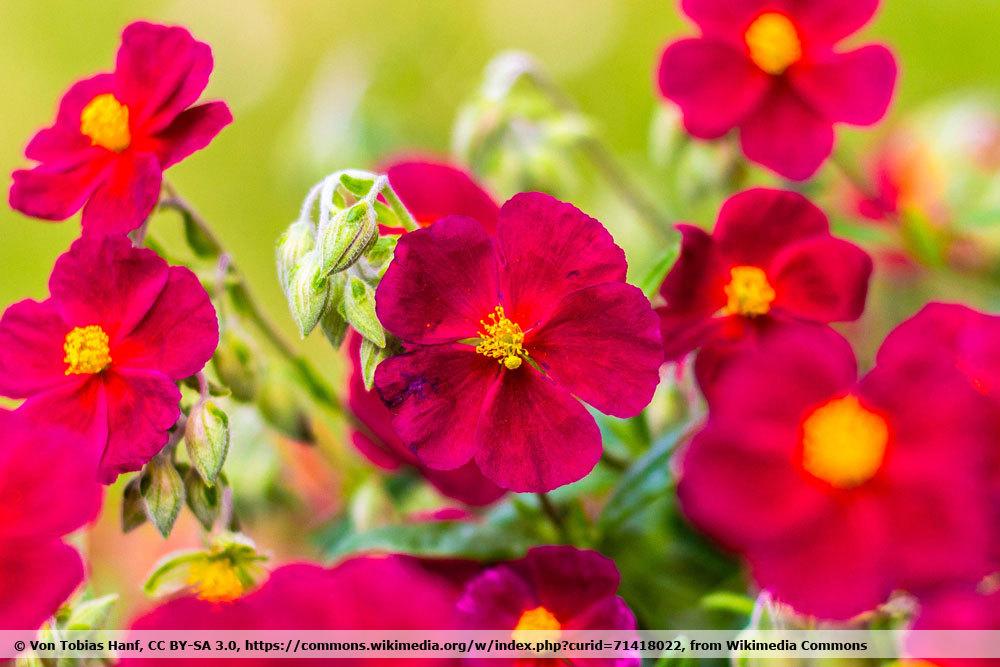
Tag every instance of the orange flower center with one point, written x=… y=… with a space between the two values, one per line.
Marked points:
x=748 y=292
x=105 y=121
x=844 y=443
x=215 y=580
x=773 y=42
x=541 y=625
x=87 y=350
x=502 y=340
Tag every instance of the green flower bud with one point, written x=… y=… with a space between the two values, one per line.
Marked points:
x=308 y=292
x=203 y=499
x=90 y=614
x=133 y=505
x=346 y=237
x=207 y=439
x=162 y=492
x=283 y=407
x=297 y=242
x=359 y=309
x=236 y=364
x=333 y=323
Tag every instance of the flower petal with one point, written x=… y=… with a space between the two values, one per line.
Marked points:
x=723 y=18
x=826 y=22
x=437 y=395
x=465 y=484
x=142 y=407
x=823 y=279
x=534 y=436
x=63 y=142
x=77 y=407
x=191 y=131
x=755 y=225
x=36 y=579
x=441 y=284
x=32 y=336
x=55 y=192
x=126 y=197
x=785 y=134
x=549 y=249
x=603 y=344
x=715 y=85
x=854 y=87
x=434 y=190
x=160 y=71
x=178 y=335
x=107 y=281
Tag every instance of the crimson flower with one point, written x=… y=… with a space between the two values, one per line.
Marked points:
x=363 y=593
x=115 y=133
x=552 y=591
x=956 y=608
x=505 y=333
x=770 y=258
x=382 y=446
x=839 y=491
x=44 y=494
x=771 y=68
x=102 y=355
x=432 y=190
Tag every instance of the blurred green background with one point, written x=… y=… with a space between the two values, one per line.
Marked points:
x=320 y=85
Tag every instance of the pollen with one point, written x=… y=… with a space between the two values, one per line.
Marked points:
x=87 y=350
x=502 y=340
x=773 y=42
x=541 y=625
x=105 y=121
x=844 y=443
x=748 y=292
x=215 y=580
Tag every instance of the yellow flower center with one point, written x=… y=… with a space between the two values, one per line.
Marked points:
x=87 y=350
x=773 y=42
x=215 y=580
x=843 y=442
x=105 y=121
x=748 y=292
x=503 y=340
x=541 y=625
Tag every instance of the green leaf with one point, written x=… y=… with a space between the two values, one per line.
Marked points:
x=201 y=244
x=333 y=323
x=371 y=356
x=359 y=308
x=650 y=284
x=162 y=492
x=646 y=481
x=357 y=185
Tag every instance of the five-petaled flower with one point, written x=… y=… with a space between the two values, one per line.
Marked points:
x=770 y=259
x=504 y=333
x=772 y=69
x=102 y=355
x=45 y=493
x=839 y=491
x=548 y=595
x=115 y=133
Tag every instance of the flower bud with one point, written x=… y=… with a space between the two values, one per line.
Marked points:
x=207 y=439
x=235 y=364
x=202 y=498
x=162 y=492
x=359 y=309
x=308 y=292
x=133 y=506
x=90 y=614
x=297 y=242
x=283 y=408
x=346 y=237
x=334 y=323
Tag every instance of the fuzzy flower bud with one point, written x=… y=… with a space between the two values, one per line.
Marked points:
x=297 y=242
x=347 y=237
x=207 y=438
x=308 y=294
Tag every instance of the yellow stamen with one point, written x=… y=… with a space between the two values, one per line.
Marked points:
x=536 y=625
x=773 y=42
x=105 y=121
x=748 y=292
x=215 y=580
x=844 y=443
x=502 y=341
x=87 y=350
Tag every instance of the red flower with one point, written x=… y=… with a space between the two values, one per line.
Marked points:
x=505 y=333
x=839 y=491
x=433 y=190
x=770 y=257
x=957 y=608
x=101 y=356
x=115 y=133
x=771 y=68
x=382 y=446
x=552 y=591
x=364 y=593
x=44 y=495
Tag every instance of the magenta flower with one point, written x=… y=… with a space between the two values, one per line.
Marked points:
x=840 y=490
x=116 y=133
x=772 y=69
x=552 y=591
x=432 y=190
x=44 y=495
x=504 y=334
x=102 y=355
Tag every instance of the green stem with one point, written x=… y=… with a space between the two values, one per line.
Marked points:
x=399 y=209
x=554 y=516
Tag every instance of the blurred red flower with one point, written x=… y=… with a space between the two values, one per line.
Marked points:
x=432 y=190
x=505 y=333
x=551 y=591
x=958 y=608
x=101 y=356
x=115 y=133
x=839 y=491
x=771 y=69
x=44 y=495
